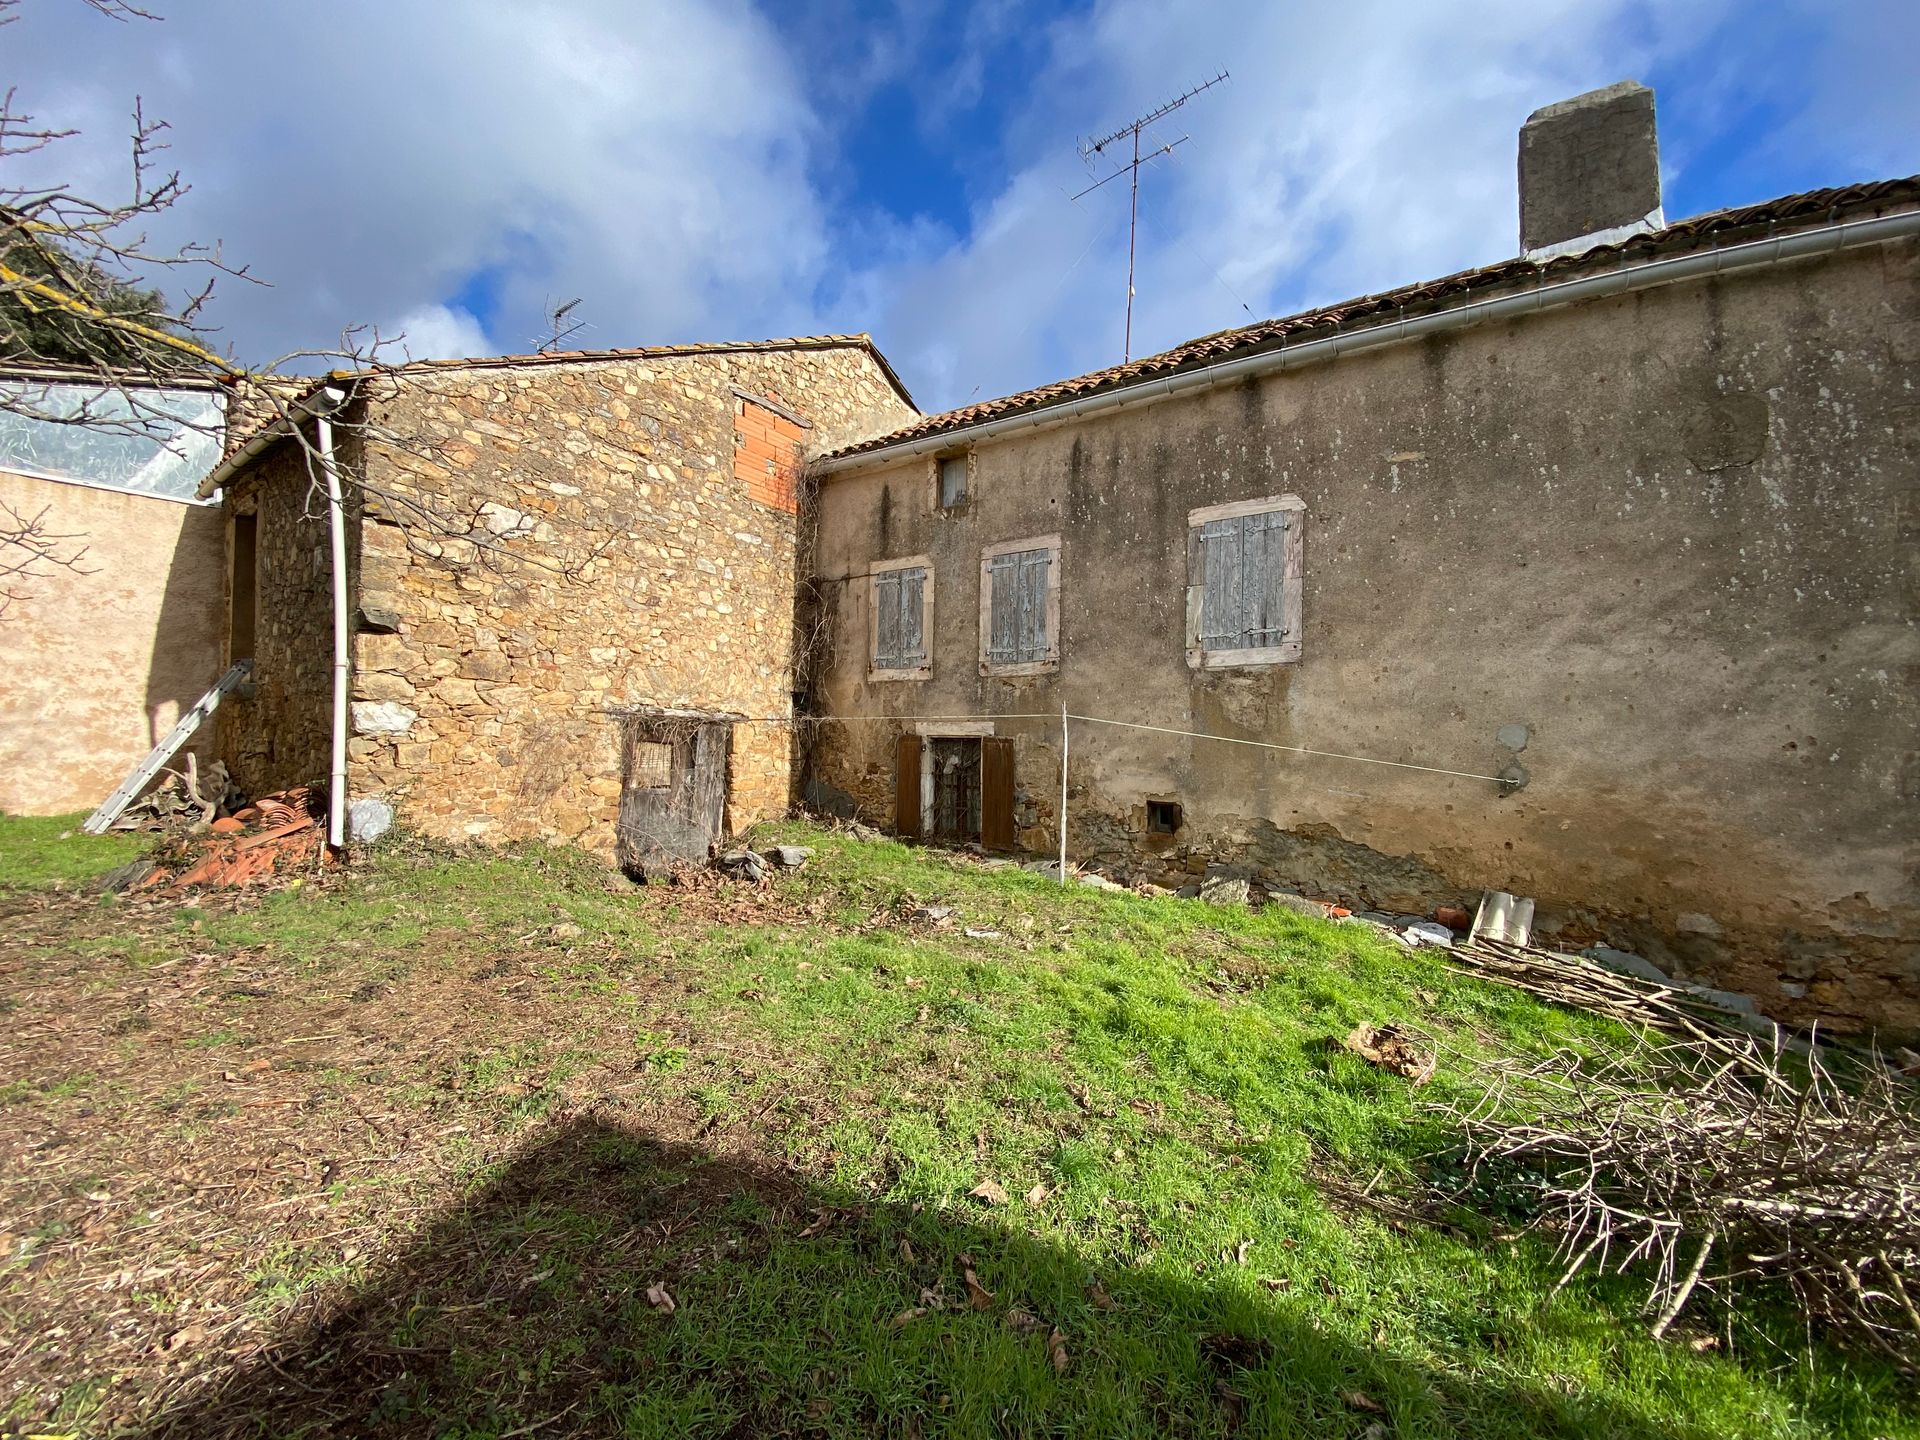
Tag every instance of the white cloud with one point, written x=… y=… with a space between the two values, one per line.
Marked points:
x=1352 y=150
x=437 y=332
x=678 y=165
x=366 y=158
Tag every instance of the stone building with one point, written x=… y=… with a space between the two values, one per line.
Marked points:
x=571 y=584
x=1584 y=575
x=1606 y=549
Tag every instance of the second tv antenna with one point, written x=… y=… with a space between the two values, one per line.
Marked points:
x=1090 y=148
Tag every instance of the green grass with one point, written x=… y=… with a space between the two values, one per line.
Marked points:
x=41 y=851
x=1167 y=1071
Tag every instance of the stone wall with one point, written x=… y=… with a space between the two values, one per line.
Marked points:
x=551 y=546
x=100 y=659
x=279 y=734
x=1661 y=541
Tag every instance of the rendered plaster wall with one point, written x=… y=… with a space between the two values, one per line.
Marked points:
x=551 y=547
x=100 y=659
x=1665 y=539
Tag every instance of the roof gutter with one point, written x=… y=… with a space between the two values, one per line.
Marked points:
x=1719 y=260
x=324 y=400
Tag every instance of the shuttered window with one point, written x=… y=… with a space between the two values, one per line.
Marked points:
x=902 y=596
x=1245 y=566
x=1020 y=614
x=1244 y=583
x=953 y=481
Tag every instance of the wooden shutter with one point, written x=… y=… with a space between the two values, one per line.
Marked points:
x=1003 y=613
x=996 y=792
x=910 y=601
x=906 y=785
x=1263 y=579
x=886 y=620
x=1033 y=604
x=1220 y=609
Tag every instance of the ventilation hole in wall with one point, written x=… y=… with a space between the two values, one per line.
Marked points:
x=1163 y=817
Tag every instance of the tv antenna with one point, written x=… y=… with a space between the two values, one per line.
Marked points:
x=559 y=328
x=1091 y=148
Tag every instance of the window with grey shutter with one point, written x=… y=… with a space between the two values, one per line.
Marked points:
x=953 y=481
x=1017 y=609
x=1244 y=582
x=1244 y=569
x=899 y=618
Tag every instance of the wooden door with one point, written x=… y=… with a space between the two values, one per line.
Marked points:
x=673 y=798
x=996 y=792
x=906 y=786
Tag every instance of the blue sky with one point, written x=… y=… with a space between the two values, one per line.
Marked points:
x=444 y=171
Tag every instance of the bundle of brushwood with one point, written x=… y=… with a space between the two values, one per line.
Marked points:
x=1730 y=1168
x=1679 y=1010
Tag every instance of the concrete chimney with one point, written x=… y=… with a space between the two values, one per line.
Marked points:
x=1589 y=171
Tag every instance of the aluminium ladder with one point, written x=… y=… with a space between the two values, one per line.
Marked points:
x=110 y=808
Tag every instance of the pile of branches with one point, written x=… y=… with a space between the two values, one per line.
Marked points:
x=1585 y=985
x=1727 y=1169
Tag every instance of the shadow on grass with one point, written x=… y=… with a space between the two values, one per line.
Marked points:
x=525 y=1312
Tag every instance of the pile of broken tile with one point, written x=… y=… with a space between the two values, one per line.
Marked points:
x=276 y=838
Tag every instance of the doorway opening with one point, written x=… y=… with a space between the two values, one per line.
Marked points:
x=955 y=789
x=243 y=588
x=673 y=798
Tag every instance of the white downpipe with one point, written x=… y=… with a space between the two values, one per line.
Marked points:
x=337 y=535
x=1063 y=792
x=1718 y=260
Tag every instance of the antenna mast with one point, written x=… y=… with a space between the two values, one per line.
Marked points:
x=1091 y=148
x=560 y=329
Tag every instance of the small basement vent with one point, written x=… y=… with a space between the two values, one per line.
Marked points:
x=1163 y=817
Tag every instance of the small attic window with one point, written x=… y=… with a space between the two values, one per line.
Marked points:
x=1163 y=817
x=953 y=481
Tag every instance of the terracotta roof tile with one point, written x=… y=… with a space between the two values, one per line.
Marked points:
x=1790 y=210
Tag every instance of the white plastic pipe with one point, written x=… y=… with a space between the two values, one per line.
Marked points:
x=1063 y=792
x=337 y=536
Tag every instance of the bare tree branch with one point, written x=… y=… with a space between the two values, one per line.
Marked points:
x=29 y=552
x=1799 y=1170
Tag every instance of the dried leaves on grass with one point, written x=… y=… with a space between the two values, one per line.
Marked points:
x=265 y=1134
x=1721 y=1168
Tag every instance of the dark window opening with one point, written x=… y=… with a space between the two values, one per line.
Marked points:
x=652 y=765
x=953 y=481
x=956 y=790
x=244 y=602
x=1163 y=817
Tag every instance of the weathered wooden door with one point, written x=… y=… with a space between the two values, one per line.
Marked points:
x=906 y=786
x=673 y=793
x=996 y=792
